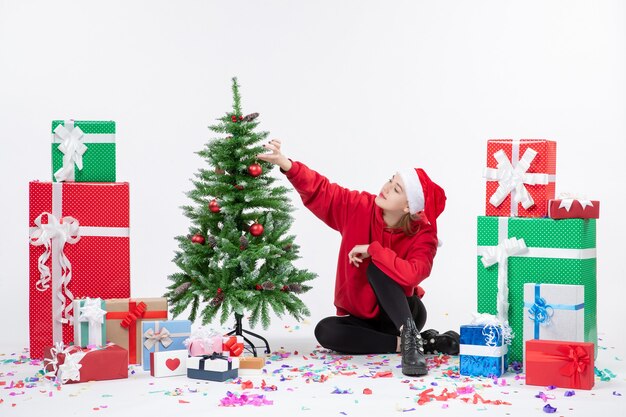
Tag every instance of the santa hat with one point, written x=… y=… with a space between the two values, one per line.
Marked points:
x=423 y=194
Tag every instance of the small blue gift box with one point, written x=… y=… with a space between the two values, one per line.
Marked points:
x=159 y=336
x=215 y=367
x=482 y=351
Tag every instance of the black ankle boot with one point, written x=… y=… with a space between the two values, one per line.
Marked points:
x=413 y=360
x=447 y=342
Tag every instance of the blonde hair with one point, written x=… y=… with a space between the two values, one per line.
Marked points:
x=408 y=225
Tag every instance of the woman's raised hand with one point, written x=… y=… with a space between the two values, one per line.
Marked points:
x=276 y=156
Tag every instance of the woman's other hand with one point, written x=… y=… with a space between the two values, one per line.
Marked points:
x=357 y=254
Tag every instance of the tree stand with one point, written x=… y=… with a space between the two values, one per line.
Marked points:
x=239 y=331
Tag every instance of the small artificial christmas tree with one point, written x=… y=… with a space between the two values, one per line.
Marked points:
x=237 y=256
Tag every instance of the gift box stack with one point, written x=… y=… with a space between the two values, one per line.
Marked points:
x=536 y=263
x=81 y=317
x=79 y=232
x=79 y=263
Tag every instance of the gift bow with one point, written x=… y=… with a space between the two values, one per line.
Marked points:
x=540 y=312
x=576 y=360
x=500 y=254
x=568 y=199
x=67 y=230
x=214 y=356
x=91 y=312
x=70 y=369
x=152 y=338
x=513 y=179
x=133 y=315
x=232 y=346
x=73 y=149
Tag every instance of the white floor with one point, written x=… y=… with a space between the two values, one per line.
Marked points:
x=307 y=381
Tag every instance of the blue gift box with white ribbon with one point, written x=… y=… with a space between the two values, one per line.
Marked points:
x=482 y=351
x=159 y=336
x=554 y=312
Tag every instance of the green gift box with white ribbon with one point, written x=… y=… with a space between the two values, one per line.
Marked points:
x=514 y=251
x=83 y=151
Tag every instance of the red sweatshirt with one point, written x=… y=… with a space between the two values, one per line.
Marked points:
x=406 y=259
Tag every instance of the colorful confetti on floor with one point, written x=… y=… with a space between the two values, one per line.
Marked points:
x=310 y=380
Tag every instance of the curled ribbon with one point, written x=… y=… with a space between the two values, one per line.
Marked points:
x=132 y=316
x=69 y=370
x=541 y=312
x=568 y=199
x=494 y=327
x=513 y=180
x=73 y=149
x=64 y=231
x=152 y=338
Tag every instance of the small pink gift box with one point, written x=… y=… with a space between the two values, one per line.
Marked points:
x=204 y=342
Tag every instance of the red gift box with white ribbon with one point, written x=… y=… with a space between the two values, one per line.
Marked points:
x=79 y=247
x=74 y=364
x=520 y=177
x=568 y=206
x=559 y=363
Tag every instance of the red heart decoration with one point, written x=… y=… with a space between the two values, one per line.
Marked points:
x=172 y=363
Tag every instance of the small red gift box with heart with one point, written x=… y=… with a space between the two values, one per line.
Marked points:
x=559 y=363
x=168 y=363
x=232 y=345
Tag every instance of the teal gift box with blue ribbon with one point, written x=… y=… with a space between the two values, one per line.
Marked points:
x=159 y=336
x=554 y=312
x=483 y=351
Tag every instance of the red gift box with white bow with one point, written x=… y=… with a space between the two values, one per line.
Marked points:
x=573 y=207
x=559 y=363
x=79 y=247
x=74 y=364
x=520 y=177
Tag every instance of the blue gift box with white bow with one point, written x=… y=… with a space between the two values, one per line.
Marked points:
x=554 y=312
x=159 y=336
x=482 y=351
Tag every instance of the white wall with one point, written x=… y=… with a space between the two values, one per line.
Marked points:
x=357 y=89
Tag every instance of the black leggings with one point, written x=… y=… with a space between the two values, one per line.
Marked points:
x=349 y=334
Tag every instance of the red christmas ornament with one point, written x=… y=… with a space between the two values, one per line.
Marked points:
x=197 y=238
x=285 y=288
x=255 y=170
x=233 y=118
x=258 y=287
x=240 y=117
x=214 y=206
x=256 y=229
x=219 y=290
x=239 y=187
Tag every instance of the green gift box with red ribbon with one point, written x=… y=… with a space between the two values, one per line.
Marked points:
x=124 y=322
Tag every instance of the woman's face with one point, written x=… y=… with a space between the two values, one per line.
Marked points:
x=392 y=196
